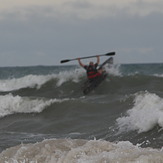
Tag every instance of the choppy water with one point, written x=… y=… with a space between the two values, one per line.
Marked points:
x=44 y=116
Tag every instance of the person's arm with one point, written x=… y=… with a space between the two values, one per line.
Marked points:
x=98 y=60
x=80 y=63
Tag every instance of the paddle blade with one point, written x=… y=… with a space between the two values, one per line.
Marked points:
x=111 y=53
x=66 y=60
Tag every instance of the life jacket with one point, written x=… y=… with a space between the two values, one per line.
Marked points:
x=91 y=71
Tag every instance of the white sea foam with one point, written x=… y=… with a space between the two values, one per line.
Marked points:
x=73 y=75
x=10 y=104
x=146 y=113
x=80 y=151
x=159 y=75
x=113 y=70
x=24 y=82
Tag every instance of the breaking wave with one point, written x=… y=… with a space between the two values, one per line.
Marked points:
x=81 y=151
x=10 y=104
x=36 y=81
x=146 y=113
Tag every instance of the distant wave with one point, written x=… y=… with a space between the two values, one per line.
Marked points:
x=36 y=81
x=24 y=82
x=69 y=84
x=159 y=75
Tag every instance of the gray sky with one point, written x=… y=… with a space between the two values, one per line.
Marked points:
x=43 y=32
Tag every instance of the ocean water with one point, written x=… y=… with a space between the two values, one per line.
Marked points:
x=45 y=117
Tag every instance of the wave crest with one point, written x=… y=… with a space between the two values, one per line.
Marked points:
x=146 y=113
x=10 y=104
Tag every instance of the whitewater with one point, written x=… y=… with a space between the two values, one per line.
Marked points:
x=45 y=117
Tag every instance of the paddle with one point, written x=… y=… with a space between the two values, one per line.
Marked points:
x=107 y=54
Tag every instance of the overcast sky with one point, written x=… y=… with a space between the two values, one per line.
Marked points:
x=43 y=32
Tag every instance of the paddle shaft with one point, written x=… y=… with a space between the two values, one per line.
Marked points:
x=107 y=54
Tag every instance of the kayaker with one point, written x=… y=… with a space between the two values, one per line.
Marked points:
x=91 y=69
